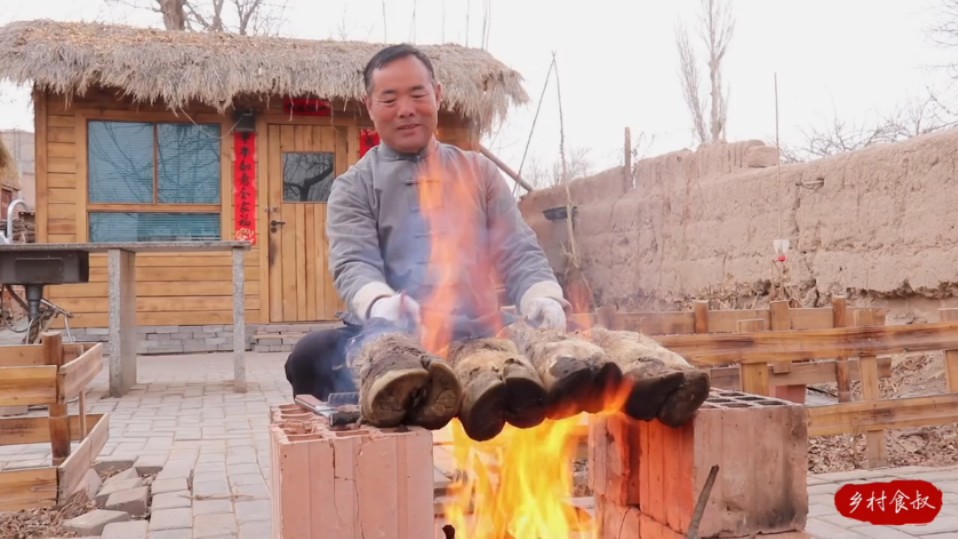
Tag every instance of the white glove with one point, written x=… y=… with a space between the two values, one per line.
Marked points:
x=547 y=313
x=396 y=308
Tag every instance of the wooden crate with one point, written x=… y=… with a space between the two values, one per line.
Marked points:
x=51 y=374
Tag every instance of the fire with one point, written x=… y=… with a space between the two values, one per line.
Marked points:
x=518 y=485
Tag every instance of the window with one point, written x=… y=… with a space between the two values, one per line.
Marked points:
x=307 y=177
x=154 y=181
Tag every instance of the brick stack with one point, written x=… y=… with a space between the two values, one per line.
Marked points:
x=362 y=482
x=647 y=477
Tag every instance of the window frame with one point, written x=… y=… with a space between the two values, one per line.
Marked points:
x=223 y=209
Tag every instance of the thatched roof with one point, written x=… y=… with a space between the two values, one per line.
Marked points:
x=176 y=68
x=9 y=176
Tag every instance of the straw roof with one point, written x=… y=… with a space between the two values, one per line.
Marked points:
x=177 y=68
x=9 y=177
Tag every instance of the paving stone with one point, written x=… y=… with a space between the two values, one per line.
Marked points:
x=180 y=533
x=108 y=489
x=92 y=523
x=255 y=530
x=202 y=507
x=131 y=529
x=90 y=484
x=171 y=500
x=149 y=464
x=125 y=475
x=132 y=501
x=112 y=464
x=824 y=530
x=858 y=475
x=171 y=519
x=214 y=524
x=161 y=486
x=881 y=532
x=941 y=524
x=253 y=510
x=247 y=479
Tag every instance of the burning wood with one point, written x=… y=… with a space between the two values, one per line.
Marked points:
x=664 y=385
x=577 y=374
x=500 y=386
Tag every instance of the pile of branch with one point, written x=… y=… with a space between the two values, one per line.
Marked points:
x=522 y=377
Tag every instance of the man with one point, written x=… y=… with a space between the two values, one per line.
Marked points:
x=380 y=240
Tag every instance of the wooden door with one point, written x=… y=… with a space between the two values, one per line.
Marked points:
x=303 y=160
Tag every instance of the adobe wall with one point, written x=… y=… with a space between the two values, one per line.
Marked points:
x=878 y=224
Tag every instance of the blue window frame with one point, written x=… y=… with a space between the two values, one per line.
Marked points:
x=153 y=181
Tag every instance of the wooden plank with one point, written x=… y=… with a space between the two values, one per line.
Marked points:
x=41 y=166
x=35 y=430
x=700 y=317
x=287 y=233
x=275 y=248
x=664 y=323
x=75 y=376
x=811 y=318
x=160 y=303
x=61 y=181
x=82 y=180
x=311 y=276
x=169 y=318
x=839 y=320
x=61 y=134
x=22 y=355
x=71 y=472
x=60 y=120
x=773 y=347
x=817 y=372
x=28 y=488
x=891 y=414
x=726 y=321
x=875 y=454
x=21 y=386
x=951 y=356
x=299 y=235
x=61 y=149
x=154 y=289
x=261 y=258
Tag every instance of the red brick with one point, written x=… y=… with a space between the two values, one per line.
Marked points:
x=331 y=483
x=759 y=444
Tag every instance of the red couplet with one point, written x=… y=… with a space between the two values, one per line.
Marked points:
x=892 y=503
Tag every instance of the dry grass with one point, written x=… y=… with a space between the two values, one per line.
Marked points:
x=179 y=68
x=42 y=523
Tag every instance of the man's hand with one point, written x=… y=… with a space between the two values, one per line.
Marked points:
x=397 y=308
x=547 y=313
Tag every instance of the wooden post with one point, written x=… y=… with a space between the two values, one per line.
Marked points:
x=123 y=335
x=842 y=376
x=701 y=312
x=875 y=453
x=781 y=320
x=52 y=343
x=754 y=375
x=951 y=356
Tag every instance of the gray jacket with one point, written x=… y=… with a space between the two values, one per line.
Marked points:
x=379 y=239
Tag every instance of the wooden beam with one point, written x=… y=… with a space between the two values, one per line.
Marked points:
x=24 y=355
x=891 y=414
x=78 y=373
x=754 y=376
x=35 y=430
x=505 y=168
x=71 y=472
x=815 y=372
x=21 y=386
x=28 y=488
x=777 y=347
x=59 y=425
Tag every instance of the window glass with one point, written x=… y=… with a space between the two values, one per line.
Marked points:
x=307 y=177
x=189 y=171
x=120 y=162
x=122 y=227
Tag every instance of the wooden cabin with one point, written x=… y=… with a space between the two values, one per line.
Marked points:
x=152 y=135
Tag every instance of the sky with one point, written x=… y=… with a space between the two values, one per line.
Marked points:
x=617 y=62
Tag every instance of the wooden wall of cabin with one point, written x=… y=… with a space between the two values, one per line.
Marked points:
x=172 y=288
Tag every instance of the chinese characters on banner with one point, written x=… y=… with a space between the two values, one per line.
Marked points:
x=368 y=138
x=244 y=188
x=894 y=503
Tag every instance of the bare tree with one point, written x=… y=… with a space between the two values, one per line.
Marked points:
x=717 y=26
x=915 y=117
x=244 y=17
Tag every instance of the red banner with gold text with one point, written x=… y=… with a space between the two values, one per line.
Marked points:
x=244 y=187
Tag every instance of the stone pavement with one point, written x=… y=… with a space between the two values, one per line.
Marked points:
x=184 y=410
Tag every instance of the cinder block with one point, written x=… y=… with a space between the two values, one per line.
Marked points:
x=346 y=483
x=759 y=443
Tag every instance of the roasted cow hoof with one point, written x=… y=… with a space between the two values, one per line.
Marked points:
x=438 y=400
x=681 y=405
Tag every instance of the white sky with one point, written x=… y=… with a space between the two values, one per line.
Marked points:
x=618 y=64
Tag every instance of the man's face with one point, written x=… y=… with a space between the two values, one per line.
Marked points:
x=403 y=104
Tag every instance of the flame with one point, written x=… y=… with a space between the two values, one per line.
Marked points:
x=518 y=485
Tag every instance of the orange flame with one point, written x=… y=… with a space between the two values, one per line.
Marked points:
x=518 y=485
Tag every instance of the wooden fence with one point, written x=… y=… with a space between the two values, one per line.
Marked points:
x=795 y=347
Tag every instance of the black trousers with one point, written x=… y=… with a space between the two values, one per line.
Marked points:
x=317 y=365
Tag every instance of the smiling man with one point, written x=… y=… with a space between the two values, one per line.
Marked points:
x=381 y=239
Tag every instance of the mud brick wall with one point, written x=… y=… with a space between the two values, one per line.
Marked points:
x=647 y=476
x=357 y=482
x=875 y=224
